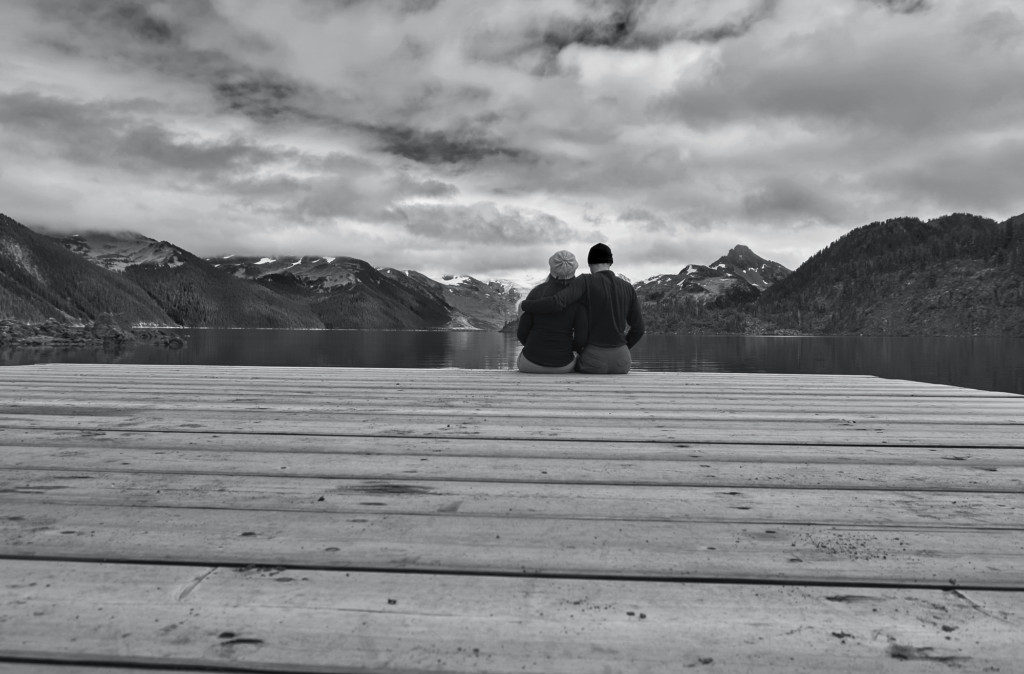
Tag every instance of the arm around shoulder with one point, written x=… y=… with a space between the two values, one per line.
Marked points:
x=560 y=300
x=526 y=320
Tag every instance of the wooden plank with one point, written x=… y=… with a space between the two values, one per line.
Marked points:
x=779 y=410
x=429 y=374
x=271 y=372
x=949 y=476
x=554 y=412
x=78 y=447
x=306 y=620
x=433 y=377
x=308 y=377
x=769 y=399
x=904 y=508
x=524 y=428
x=871 y=555
x=453 y=386
x=353 y=376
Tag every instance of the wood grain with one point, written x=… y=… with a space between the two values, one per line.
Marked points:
x=308 y=620
x=193 y=518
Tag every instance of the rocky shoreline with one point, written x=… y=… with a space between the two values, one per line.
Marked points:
x=104 y=332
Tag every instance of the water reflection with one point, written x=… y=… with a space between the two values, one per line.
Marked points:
x=987 y=363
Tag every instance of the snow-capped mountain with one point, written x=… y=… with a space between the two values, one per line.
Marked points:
x=41 y=279
x=188 y=289
x=480 y=304
x=117 y=251
x=346 y=292
x=740 y=272
x=752 y=268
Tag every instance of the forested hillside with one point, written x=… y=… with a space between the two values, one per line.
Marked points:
x=190 y=290
x=482 y=304
x=196 y=294
x=955 y=275
x=40 y=279
x=710 y=299
x=343 y=292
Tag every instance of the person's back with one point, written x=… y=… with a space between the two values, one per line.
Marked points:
x=550 y=340
x=615 y=321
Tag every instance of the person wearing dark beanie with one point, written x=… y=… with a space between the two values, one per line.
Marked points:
x=599 y=254
x=615 y=321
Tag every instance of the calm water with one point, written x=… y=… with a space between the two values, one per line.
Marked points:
x=986 y=363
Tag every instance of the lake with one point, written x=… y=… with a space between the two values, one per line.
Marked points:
x=979 y=362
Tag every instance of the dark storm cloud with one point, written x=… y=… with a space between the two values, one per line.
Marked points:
x=438 y=147
x=625 y=25
x=903 y=6
x=263 y=96
x=126 y=19
x=614 y=29
x=134 y=18
x=129 y=31
x=736 y=27
x=320 y=9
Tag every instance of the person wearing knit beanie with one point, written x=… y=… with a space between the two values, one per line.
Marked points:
x=614 y=320
x=551 y=341
x=563 y=265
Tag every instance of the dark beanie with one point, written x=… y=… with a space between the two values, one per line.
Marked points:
x=599 y=254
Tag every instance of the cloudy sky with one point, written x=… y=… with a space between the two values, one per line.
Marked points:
x=479 y=136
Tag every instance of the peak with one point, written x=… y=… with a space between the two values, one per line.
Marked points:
x=741 y=256
x=744 y=252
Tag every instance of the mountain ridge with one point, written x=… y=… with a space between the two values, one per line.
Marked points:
x=956 y=274
x=41 y=279
x=189 y=290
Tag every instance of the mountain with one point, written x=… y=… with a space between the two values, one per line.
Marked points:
x=958 y=274
x=40 y=279
x=738 y=272
x=345 y=292
x=117 y=251
x=189 y=290
x=709 y=298
x=746 y=264
x=483 y=304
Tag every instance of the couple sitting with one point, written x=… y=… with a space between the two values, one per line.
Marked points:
x=585 y=324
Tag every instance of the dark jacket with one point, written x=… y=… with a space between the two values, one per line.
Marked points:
x=550 y=339
x=613 y=311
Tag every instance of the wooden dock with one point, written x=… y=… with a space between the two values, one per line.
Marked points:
x=354 y=520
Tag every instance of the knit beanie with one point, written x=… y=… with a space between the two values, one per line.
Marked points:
x=563 y=265
x=599 y=254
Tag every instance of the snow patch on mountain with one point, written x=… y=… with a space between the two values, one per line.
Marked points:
x=119 y=250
